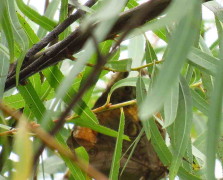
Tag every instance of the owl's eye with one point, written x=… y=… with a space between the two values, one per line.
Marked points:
x=93 y=152
x=132 y=129
x=128 y=89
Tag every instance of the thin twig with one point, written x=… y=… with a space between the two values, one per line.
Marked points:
x=7 y=133
x=107 y=107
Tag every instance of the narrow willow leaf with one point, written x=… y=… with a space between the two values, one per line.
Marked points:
x=214 y=119
x=164 y=153
x=161 y=33
x=54 y=77
x=176 y=11
x=183 y=174
x=197 y=153
x=33 y=38
x=220 y=149
x=4 y=50
x=203 y=61
x=199 y=102
x=150 y=55
x=206 y=78
x=19 y=34
x=50 y=13
x=140 y=90
x=83 y=155
x=140 y=95
x=104 y=48
x=99 y=128
x=76 y=172
x=63 y=16
x=136 y=49
x=132 y=4
x=4 y=67
x=131 y=81
x=170 y=106
x=159 y=145
x=180 y=134
x=43 y=21
x=216 y=8
x=187 y=164
x=37 y=108
x=23 y=148
x=7 y=28
x=121 y=65
x=15 y=101
x=179 y=47
x=114 y=170
x=189 y=73
x=32 y=99
x=20 y=37
x=133 y=146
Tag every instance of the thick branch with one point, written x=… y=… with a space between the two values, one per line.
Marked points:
x=75 y=41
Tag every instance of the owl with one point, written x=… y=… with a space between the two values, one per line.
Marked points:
x=144 y=162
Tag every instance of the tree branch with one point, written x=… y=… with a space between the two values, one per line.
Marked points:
x=75 y=41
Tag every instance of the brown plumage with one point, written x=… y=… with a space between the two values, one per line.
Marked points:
x=144 y=162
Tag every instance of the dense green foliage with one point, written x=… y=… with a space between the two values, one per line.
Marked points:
x=183 y=82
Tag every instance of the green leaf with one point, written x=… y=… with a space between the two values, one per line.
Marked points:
x=180 y=133
x=132 y=4
x=20 y=38
x=140 y=90
x=23 y=148
x=33 y=38
x=15 y=101
x=43 y=21
x=136 y=50
x=54 y=77
x=114 y=170
x=50 y=13
x=37 y=108
x=179 y=47
x=63 y=16
x=83 y=155
x=159 y=144
x=214 y=117
x=121 y=65
x=99 y=128
x=32 y=99
x=170 y=106
x=199 y=102
x=131 y=81
x=164 y=153
x=176 y=11
x=216 y=8
x=6 y=26
x=76 y=172
x=150 y=55
x=203 y=61
x=4 y=64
